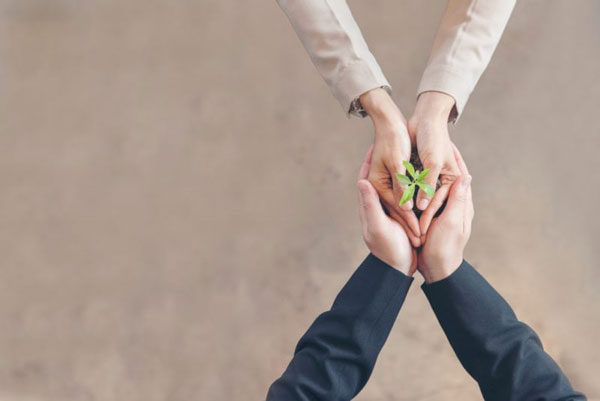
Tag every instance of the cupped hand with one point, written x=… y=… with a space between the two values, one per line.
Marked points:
x=448 y=234
x=391 y=147
x=428 y=129
x=385 y=237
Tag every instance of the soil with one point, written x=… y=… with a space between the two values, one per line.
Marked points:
x=416 y=162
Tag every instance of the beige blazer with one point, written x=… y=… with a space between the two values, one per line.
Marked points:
x=463 y=46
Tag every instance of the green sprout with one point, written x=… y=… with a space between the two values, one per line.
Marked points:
x=418 y=180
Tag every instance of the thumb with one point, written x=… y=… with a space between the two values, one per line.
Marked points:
x=457 y=200
x=423 y=199
x=370 y=209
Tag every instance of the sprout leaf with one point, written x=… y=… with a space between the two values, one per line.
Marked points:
x=402 y=179
x=409 y=167
x=408 y=194
x=421 y=176
x=427 y=188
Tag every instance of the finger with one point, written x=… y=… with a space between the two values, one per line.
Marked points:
x=398 y=214
x=457 y=200
x=471 y=208
x=370 y=211
x=415 y=240
x=398 y=189
x=366 y=166
x=447 y=177
x=400 y=217
x=423 y=199
x=436 y=203
x=415 y=259
x=469 y=211
x=460 y=162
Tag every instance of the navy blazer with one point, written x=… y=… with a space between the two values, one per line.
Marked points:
x=335 y=357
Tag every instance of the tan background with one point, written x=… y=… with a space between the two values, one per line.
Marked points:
x=178 y=195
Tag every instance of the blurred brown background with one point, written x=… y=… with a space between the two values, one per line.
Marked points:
x=178 y=195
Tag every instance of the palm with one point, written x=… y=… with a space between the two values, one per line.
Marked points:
x=386 y=237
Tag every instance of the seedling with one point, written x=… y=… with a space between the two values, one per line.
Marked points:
x=417 y=179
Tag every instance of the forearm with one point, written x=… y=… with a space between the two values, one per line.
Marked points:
x=466 y=39
x=335 y=357
x=336 y=46
x=502 y=354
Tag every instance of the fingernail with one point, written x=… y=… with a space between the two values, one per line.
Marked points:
x=423 y=203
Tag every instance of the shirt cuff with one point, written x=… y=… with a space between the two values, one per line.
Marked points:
x=357 y=78
x=445 y=80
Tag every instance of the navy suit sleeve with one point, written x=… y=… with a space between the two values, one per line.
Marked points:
x=504 y=355
x=335 y=357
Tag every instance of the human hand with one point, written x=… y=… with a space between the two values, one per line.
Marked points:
x=448 y=234
x=385 y=237
x=391 y=147
x=428 y=129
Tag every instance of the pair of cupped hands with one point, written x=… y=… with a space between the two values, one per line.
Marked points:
x=393 y=232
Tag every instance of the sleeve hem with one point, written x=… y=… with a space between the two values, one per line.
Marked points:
x=356 y=79
x=373 y=287
x=374 y=260
x=446 y=80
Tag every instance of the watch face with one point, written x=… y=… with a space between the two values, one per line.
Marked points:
x=357 y=109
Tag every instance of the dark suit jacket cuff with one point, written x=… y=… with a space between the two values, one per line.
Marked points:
x=463 y=293
x=374 y=287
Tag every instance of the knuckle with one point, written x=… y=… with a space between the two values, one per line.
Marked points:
x=448 y=179
x=460 y=197
x=381 y=182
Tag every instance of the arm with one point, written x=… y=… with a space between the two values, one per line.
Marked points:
x=335 y=357
x=504 y=355
x=462 y=49
x=466 y=39
x=338 y=50
x=336 y=47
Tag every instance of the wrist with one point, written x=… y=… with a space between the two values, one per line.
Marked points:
x=434 y=106
x=380 y=107
x=440 y=273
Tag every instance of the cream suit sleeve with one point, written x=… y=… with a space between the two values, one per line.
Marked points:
x=465 y=41
x=463 y=46
x=336 y=46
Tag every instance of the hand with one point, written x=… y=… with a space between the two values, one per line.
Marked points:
x=391 y=147
x=384 y=236
x=428 y=128
x=448 y=234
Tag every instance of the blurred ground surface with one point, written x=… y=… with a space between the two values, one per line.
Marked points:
x=178 y=195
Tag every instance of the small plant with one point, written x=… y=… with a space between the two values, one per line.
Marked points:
x=417 y=180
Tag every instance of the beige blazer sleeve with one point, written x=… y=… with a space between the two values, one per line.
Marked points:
x=463 y=47
x=336 y=47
